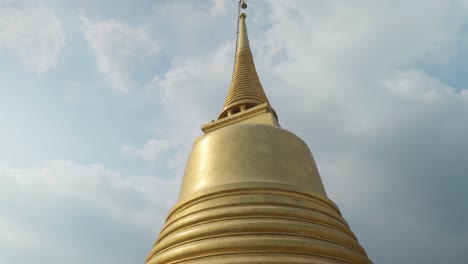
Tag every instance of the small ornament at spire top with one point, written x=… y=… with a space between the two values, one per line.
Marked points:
x=243 y=4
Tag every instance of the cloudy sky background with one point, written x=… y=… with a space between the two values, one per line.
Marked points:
x=100 y=102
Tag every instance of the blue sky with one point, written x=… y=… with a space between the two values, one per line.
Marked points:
x=100 y=102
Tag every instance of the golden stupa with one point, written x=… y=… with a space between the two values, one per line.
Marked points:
x=251 y=192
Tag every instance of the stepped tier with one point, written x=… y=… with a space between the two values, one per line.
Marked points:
x=252 y=194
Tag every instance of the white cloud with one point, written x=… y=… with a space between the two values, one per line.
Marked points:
x=72 y=210
x=188 y=88
x=17 y=236
x=186 y=96
x=417 y=85
x=151 y=151
x=106 y=189
x=120 y=50
x=219 y=8
x=34 y=36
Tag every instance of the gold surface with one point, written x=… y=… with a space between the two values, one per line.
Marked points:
x=255 y=221
x=252 y=192
x=246 y=89
x=249 y=153
x=261 y=114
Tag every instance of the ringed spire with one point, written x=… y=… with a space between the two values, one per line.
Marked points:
x=246 y=91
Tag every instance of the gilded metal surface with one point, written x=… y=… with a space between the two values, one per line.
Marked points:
x=250 y=153
x=252 y=192
x=250 y=222
x=261 y=114
x=246 y=88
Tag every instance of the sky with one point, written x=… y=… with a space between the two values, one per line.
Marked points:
x=100 y=102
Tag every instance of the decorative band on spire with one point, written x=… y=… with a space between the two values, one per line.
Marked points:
x=246 y=91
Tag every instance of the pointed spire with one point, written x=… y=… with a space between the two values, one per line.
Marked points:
x=246 y=91
x=243 y=41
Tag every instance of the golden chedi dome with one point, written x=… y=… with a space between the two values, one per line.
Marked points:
x=251 y=192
